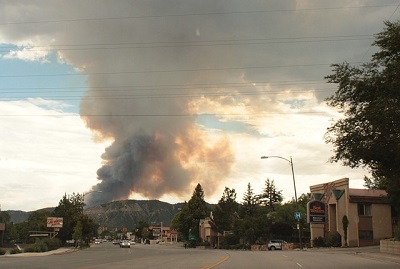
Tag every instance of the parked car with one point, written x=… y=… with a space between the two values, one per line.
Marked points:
x=125 y=244
x=116 y=242
x=132 y=242
x=276 y=244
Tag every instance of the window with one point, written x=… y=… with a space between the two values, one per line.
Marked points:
x=364 y=209
x=365 y=235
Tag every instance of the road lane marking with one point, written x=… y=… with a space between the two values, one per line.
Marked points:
x=223 y=259
x=299 y=264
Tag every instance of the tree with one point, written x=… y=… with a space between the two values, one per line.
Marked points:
x=226 y=211
x=141 y=230
x=70 y=208
x=186 y=221
x=369 y=96
x=249 y=203
x=271 y=196
x=77 y=236
x=345 y=223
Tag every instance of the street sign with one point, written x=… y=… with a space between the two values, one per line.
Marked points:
x=297 y=215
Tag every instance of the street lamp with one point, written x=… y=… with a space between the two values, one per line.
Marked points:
x=295 y=191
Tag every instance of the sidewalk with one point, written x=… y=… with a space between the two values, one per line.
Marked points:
x=371 y=252
x=38 y=254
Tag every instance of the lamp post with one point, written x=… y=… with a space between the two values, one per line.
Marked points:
x=295 y=191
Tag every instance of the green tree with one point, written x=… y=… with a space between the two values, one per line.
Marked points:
x=186 y=221
x=249 y=203
x=77 y=236
x=369 y=133
x=70 y=208
x=141 y=229
x=345 y=223
x=270 y=196
x=226 y=211
x=4 y=217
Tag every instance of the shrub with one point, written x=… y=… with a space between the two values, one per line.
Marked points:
x=333 y=240
x=397 y=232
x=39 y=246
x=2 y=251
x=15 y=251
x=52 y=243
x=318 y=242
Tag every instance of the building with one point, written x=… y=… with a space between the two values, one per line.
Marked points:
x=164 y=234
x=368 y=213
x=207 y=234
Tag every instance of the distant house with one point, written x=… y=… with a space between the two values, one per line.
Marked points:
x=368 y=213
x=164 y=234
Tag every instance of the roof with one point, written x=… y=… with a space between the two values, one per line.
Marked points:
x=368 y=196
x=367 y=193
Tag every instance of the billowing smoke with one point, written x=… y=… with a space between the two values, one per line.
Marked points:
x=143 y=97
x=140 y=66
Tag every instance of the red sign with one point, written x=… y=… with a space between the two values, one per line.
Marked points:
x=54 y=222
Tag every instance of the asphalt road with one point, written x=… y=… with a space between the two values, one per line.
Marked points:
x=109 y=256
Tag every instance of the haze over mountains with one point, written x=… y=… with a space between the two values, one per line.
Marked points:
x=121 y=214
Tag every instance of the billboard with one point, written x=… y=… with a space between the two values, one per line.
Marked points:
x=54 y=222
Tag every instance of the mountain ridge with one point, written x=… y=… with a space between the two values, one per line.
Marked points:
x=119 y=214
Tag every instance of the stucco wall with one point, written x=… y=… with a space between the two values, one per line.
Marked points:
x=352 y=232
x=390 y=246
x=380 y=222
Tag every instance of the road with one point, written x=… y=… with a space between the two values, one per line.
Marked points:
x=106 y=255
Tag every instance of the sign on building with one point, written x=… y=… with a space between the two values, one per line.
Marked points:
x=54 y=222
x=316 y=212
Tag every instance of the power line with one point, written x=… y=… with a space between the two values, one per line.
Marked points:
x=125 y=88
x=165 y=115
x=208 y=43
x=173 y=95
x=194 y=14
x=170 y=71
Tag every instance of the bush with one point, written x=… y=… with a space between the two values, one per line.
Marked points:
x=333 y=240
x=52 y=243
x=2 y=251
x=318 y=242
x=15 y=251
x=397 y=232
x=205 y=244
x=44 y=245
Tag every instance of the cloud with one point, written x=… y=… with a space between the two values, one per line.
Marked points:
x=28 y=54
x=45 y=153
x=255 y=68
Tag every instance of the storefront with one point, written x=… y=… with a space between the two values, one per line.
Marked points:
x=368 y=213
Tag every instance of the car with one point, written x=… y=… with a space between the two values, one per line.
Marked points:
x=125 y=244
x=276 y=244
x=116 y=242
x=132 y=242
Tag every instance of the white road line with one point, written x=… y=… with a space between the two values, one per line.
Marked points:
x=299 y=264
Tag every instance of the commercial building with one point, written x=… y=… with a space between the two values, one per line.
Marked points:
x=368 y=213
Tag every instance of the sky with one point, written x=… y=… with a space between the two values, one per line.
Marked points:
x=134 y=99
